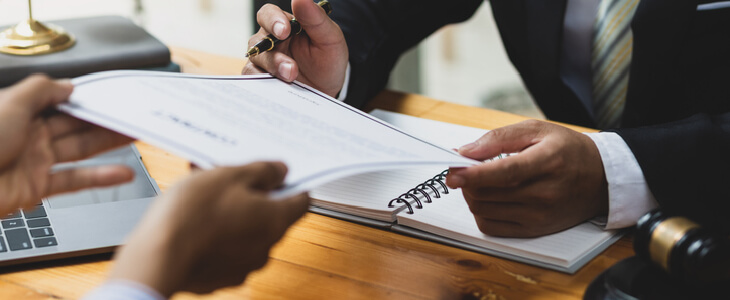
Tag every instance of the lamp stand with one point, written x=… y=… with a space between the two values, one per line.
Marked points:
x=31 y=37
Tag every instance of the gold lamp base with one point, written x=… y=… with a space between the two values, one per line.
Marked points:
x=33 y=38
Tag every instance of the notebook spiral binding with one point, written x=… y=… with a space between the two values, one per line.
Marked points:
x=423 y=190
x=430 y=184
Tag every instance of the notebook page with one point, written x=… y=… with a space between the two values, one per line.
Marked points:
x=446 y=135
x=368 y=194
x=450 y=217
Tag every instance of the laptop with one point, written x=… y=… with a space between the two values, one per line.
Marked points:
x=81 y=223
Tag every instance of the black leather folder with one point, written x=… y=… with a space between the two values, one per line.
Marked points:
x=102 y=43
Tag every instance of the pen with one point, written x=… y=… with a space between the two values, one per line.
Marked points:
x=270 y=41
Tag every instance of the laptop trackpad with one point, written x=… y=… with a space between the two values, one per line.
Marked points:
x=140 y=187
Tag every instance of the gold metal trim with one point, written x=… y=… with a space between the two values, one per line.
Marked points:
x=665 y=236
x=322 y=5
x=252 y=52
x=31 y=37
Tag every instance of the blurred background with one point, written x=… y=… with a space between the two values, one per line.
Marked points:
x=476 y=72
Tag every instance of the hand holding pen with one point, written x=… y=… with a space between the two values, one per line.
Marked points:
x=270 y=41
x=318 y=58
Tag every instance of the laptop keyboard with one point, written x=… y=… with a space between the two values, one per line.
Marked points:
x=24 y=230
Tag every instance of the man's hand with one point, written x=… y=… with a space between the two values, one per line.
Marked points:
x=33 y=141
x=318 y=57
x=210 y=231
x=555 y=182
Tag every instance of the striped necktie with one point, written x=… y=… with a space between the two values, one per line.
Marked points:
x=612 y=47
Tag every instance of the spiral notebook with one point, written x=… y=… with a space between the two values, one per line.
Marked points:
x=416 y=202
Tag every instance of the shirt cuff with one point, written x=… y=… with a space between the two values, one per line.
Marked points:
x=123 y=290
x=629 y=196
x=343 y=92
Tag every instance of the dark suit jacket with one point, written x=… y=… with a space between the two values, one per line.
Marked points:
x=680 y=68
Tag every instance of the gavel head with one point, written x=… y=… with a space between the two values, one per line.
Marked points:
x=684 y=249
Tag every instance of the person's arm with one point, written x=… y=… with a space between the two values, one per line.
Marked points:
x=560 y=177
x=371 y=34
x=34 y=138
x=687 y=165
x=378 y=32
x=209 y=231
x=122 y=290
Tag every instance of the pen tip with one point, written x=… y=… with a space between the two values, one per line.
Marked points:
x=252 y=52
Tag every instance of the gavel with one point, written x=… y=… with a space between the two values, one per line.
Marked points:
x=692 y=253
x=676 y=258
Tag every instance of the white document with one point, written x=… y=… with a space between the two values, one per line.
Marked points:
x=447 y=135
x=235 y=120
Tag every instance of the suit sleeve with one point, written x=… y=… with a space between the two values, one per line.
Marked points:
x=379 y=31
x=687 y=166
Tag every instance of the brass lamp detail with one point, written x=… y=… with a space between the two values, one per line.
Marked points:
x=31 y=37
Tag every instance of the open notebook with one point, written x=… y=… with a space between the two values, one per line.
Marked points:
x=365 y=198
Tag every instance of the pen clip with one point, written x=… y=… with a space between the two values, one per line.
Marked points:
x=326 y=5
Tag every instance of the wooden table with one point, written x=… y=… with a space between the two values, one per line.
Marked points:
x=325 y=258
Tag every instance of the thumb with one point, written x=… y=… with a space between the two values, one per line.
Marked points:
x=314 y=20
x=261 y=175
x=508 y=139
x=293 y=208
x=37 y=93
x=83 y=178
x=287 y=211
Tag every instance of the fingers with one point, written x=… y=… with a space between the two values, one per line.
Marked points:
x=513 y=170
x=284 y=213
x=506 y=212
x=527 y=204
x=321 y=52
x=259 y=175
x=82 y=178
x=278 y=64
x=513 y=229
x=37 y=93
x=524 y=194
x=320 y=29
x=195 y=168
x=20 y=196
x=274 y=20
x=500 y=228
x=251 y=69
x=293 y=208
x=509 y=139
x=61 y=124
x=509 y=172
x=86 y=143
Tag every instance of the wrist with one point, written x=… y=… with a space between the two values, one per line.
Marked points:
x=150 y=258
x=601 y=192
x=123 y=289
x=629 y=196
x=342 y=93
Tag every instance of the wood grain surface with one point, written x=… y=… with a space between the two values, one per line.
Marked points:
x=326 y=258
